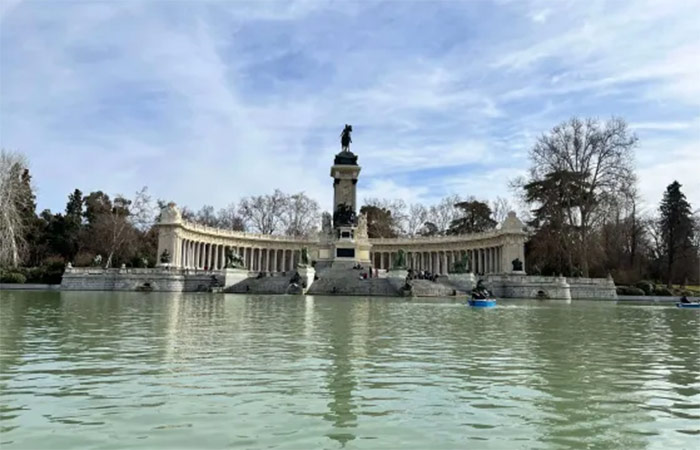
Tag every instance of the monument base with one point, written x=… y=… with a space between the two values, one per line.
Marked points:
x=307 y=275
x=234 y=276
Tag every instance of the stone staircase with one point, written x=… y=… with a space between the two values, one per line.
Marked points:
x=342 y=279
x=427 y=288
x=276 y=284
x=353 y=286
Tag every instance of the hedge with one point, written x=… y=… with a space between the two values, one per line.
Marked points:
x=12 y=277
x=663 y=291
x=647 y=286
x=629 y=290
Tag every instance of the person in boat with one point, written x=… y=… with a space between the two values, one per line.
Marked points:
x=480 y=292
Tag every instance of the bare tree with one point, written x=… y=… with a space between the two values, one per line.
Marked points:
x=443 y=213
x=228 y=218
x=417 y=217
x=206 y=216
x=113 y=229
x=300 y=215
x=13 y=166
x=600 y=153
x=262 y=213
x=500 y=209
x=143 y=212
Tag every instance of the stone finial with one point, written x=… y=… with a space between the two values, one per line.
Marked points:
x=512 y=222
x=170 y=214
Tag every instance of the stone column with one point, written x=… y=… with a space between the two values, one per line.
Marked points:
x=443 y=269
x=190 y=254
x=487 y=255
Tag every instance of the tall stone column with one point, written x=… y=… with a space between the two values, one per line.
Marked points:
x=443 y=269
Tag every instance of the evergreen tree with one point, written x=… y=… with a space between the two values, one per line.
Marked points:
x=476 y=217
x=74 y=207
x=380 y=223
x=677 y=229
x=556 y=197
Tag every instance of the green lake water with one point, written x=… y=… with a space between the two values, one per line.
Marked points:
x=130 y=370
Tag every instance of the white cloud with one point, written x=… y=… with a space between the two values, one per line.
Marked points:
x=202 y=103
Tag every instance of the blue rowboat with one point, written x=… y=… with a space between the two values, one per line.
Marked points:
x=688 y=305
x=483 y=303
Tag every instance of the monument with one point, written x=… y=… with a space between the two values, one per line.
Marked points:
x=345 y=241
x=342 y=259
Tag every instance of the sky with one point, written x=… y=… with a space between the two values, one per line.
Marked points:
x=206 y=102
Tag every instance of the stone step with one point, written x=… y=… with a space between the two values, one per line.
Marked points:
x=265 y=285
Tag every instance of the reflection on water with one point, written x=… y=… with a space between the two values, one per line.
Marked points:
x=129 y=370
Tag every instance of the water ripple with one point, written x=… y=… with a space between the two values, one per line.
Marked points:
x=196 y=371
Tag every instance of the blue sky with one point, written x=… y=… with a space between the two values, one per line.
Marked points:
x=206 y=102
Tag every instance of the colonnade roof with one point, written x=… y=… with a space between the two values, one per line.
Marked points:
x=449 y=239
x=242 y=235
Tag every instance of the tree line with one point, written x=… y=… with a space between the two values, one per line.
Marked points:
x=579 y=200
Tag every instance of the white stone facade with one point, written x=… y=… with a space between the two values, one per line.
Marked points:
x=194 y=246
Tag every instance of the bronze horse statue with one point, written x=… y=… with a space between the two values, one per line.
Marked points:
x=345 y=138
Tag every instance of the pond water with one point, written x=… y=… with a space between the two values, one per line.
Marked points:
x=148 y=370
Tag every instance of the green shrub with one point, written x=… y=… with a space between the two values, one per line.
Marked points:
x=13 y=277
x=647 y=286
x=629 y=290
x=44 y=274
x=663 y=291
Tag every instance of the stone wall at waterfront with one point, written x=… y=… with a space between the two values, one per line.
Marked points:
x=534 y=286
x=345 y=281
x=592 y=288
x=527 y=286
x=159 y=279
